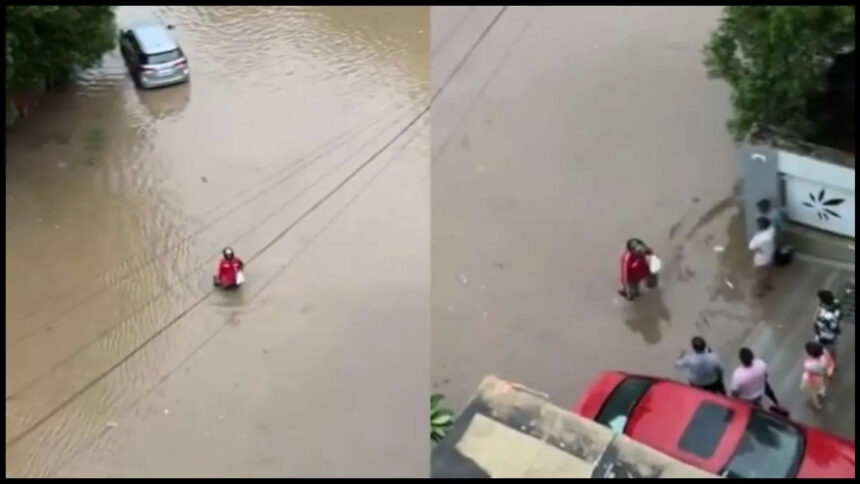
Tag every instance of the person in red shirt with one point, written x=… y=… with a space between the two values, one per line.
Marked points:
x=228 y=270
x=634 y=268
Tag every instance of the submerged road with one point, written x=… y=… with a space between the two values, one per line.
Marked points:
x=301 y=142
x=304 y=142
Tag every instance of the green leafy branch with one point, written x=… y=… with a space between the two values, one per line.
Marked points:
x=441 y=418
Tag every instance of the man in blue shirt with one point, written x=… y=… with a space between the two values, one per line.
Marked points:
x=703 y=367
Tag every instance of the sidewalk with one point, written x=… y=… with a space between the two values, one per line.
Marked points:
x=787 y=317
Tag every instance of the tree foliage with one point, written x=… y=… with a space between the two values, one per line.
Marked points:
x=46 y=43
x=775 y=58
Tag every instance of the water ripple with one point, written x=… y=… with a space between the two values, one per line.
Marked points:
x=126 y=175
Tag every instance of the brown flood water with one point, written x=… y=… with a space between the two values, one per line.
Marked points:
x=298 y=142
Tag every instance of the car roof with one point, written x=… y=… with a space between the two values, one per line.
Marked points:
x=153 y=37
x=509 y=430
x=664 y=412
x=825 y=455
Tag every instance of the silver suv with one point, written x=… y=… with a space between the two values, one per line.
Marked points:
x=153 y=57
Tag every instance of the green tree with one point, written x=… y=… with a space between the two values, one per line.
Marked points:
x=775 y=59
x=46 y=43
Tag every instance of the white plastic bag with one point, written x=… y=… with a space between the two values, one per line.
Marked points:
x=654 y=264
x=240 y=278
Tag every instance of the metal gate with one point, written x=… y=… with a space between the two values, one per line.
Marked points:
x=818 y=194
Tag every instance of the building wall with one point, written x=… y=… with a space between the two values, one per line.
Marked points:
x=760 y=179
x=813 y=192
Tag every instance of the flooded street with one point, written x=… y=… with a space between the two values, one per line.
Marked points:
x=301 y=141
x=568 y=131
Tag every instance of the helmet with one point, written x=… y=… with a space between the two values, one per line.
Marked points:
x=228 y=253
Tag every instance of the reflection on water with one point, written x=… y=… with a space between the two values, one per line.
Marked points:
x=164 y=104
x=118 y=200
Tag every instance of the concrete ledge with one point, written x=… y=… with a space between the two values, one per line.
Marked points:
x=508 y=430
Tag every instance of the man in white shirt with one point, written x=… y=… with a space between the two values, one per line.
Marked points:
x=765 y=209
x=763 y=247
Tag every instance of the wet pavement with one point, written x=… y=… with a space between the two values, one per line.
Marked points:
x=779 y=338
x=300 y=142
x=566 y=131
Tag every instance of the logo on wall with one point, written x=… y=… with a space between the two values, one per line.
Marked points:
x=824 y=207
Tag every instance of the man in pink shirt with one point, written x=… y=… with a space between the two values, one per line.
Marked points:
x=749 y=380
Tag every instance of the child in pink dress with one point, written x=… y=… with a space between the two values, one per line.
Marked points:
x=817 y=370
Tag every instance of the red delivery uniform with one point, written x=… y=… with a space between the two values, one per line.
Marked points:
x=228 y=269
x=634 y=268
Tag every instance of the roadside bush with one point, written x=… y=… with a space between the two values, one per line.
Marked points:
x=776 y=59
x=441 y=418
x=45 y=44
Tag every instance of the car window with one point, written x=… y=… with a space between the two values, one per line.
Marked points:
x=164 y=57
x=127 y=43
x=706 y=429
x=622 y=400
x=769 y=448
x=135 y=47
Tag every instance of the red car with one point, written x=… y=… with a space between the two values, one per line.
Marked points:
x=721 y=435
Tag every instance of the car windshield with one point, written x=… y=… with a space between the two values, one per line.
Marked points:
x=621 y=402
x=164 y=57
x=769 y=448
x=706 y=429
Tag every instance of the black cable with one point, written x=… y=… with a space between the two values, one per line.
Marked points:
x=259 y=291
x=469 y=52
x=434 y=157
x=209 y=293
x=110 y=281
x=277 y=237
x=453 y=31
x=195 y=269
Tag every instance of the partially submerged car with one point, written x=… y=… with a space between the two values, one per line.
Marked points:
x=715 y=433
x=152 y=55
